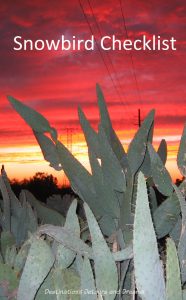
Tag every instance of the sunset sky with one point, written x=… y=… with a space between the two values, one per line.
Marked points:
x=56 y=82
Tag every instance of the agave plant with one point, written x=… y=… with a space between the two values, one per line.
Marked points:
x=117 y=251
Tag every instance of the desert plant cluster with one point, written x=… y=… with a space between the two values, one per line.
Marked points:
x=128 y=244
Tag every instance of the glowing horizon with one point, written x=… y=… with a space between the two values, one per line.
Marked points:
x=17 y=158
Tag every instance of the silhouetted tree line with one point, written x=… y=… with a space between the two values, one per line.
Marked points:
x=41 y=185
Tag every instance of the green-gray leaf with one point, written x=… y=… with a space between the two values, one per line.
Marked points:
x=66 y=238
x=48 y=149
x=148 y=267
x=181 y=158
x=173 y=281
x=87 y=281
x=167 y=213
x=38 y=264
x=111 y=167
x=91 y=136
x=104 y=264
x=44 y=213
x=124 y=254
x=8 y=282
x=162 y=151
x=65 y=256
x=79 y=177
x=34 y=119
x=109 y=131
x=7 y=240
x=138 y=146
x=160 y=175
x=109 y=204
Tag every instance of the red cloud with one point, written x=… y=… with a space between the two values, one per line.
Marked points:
x=55 y=84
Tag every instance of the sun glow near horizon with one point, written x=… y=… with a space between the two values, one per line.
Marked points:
x=23 y=161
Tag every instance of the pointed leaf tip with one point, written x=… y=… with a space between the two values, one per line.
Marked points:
x=104 y=264
x=99 y=92
x=34 y=119
x=173 y=280
x=181 y=157
x=148 y=267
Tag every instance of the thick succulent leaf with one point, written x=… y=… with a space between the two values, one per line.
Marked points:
x=45 y=214
x=160 y=175
x=120 y=238
x=80 y=178
x=176 y=231
x=167 y=213
x=162 y=151
x=8 y=283
x=181 y=244
x=66 y=238
x=60 y=285
x=108 y=225
x=32 y=218
x=125 y=268
x=10 y=255
x=47 y=287
x=87 y=281
x=126 y=215
x=173 y=281
x=98 y=181
x=138 y=146
x=181 y=158
x=111 y=167
x=7 y=240
x=91 y=135
x=14 y=202
x=184 y=294
x=24 y=223
x=16 y=208
x=67 y=280
x=40 y=254
x=153 y=200
x=146 y=166
x=78 y=263
x=70 y=281
x=181 y=197
x=19 y=227
x=6 y=218
x=65 y=284
x=107 y=125
x=72 y=222
x=129 y=288
x=49 y=150
x=104 y=114
x=65 y=256
x=34 y=119
x=72 y=242
x=21 y=257
x=124 y=254
x=148 y=267
x=109 y=202
x=104 y=264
